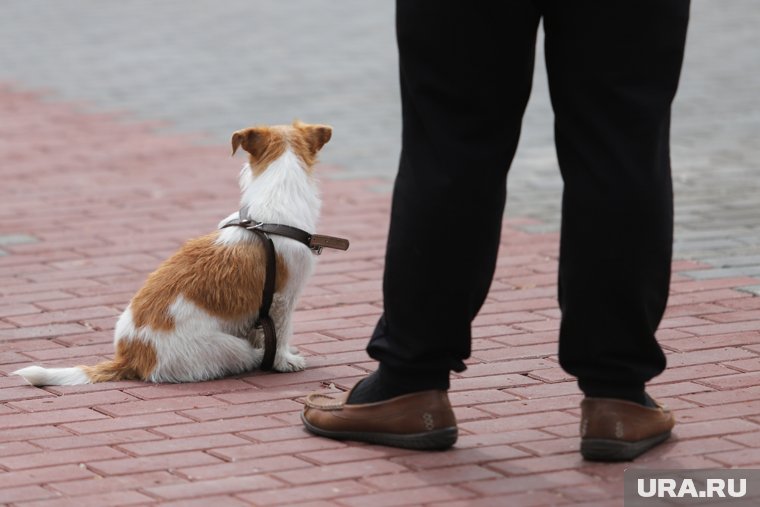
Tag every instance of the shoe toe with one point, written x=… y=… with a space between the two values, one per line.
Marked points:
x=619 y=430
x=421 y=420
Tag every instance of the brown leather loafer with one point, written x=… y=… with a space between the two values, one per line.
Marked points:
x=422 y=420
x=619 y=430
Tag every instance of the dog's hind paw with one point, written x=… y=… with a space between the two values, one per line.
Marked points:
x=287 y=362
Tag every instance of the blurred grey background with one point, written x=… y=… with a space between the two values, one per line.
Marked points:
x=211 y=67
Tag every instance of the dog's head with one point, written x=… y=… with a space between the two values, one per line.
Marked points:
x=266 y=144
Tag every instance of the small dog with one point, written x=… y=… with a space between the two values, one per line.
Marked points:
x=185 y=323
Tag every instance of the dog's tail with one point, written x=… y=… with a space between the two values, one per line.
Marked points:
x=103 y=372
x=134 y=360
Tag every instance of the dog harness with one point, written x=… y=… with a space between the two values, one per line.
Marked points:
x=315 y=242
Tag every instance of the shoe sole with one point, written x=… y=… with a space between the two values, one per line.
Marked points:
x=435 y=440
x=599 y=449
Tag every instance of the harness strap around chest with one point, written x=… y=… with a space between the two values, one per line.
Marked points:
x=264 y=321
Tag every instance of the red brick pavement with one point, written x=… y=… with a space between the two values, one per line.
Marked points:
x=94 y=203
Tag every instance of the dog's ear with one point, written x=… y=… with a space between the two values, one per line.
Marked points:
x=315 y=136
x=237 y=138
x=253 y=140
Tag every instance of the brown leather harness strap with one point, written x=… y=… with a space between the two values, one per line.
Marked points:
x=264 y=321
x=316 y=242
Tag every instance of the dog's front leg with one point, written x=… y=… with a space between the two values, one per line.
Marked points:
x=282 y=314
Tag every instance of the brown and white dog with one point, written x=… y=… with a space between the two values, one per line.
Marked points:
x=185 y=323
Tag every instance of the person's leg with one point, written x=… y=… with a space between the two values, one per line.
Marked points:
x=613 y=72
x=466 y=72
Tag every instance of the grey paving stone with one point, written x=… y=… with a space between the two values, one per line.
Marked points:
x=541 y=228
x=752 y=289
x=708 y=274
x=733 y=261
x=711 y=244
x=16 y=239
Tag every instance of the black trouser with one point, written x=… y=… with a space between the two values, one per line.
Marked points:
x=466 y=72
